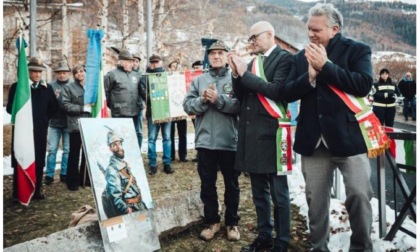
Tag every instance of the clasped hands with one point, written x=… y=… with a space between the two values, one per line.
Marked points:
x=210 y=94
x=316 y=55
x=237 y=64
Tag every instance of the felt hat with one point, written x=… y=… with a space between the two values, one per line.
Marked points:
x=155 y=58
x=125 y=55
x=218 y=45
x=62 y=66
x=36 y=64
x=137 y=56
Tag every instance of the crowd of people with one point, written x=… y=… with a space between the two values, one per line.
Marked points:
x=236 y=129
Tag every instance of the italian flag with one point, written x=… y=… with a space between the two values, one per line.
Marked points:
x=403 y=151
x=23 y=146
x=100 y=109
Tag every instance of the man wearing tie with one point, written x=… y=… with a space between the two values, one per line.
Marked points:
x=257 y=151
x=44 y=105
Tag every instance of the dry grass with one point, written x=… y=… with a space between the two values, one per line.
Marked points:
x=53 y=214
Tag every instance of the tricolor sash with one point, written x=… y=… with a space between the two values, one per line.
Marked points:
x=283 y=135
x=374 y=135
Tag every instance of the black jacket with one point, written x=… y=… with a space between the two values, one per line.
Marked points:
x=256 y=151
x=321 y=110
x=44 y=105
x=385 y=93
x=407 y=88
x=122 y=92
x=59 y=120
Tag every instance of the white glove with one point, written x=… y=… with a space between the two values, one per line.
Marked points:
x=87 y=108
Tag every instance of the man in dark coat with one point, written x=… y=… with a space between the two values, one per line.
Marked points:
x=256 y=152
x=407 y=87
x=328 y=134
x=44 y=105
x=123 y=91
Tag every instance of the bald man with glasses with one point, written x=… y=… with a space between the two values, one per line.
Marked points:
x=256 y=150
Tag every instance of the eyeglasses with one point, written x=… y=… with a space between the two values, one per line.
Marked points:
x=254 y=37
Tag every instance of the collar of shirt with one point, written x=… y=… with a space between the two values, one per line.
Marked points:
x=33 y=84
x=41 y=82
x=267 y=53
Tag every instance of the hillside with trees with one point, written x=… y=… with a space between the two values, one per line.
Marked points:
x=385 y=26
x=179 y=25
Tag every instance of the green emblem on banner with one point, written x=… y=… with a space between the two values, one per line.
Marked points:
x=159 y=97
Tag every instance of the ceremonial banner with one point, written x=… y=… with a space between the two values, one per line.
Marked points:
x=23 y=138
x=177 y=92
x=167 y=92
x=93 y=66
x=190 y=75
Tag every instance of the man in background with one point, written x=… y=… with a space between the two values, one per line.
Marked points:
x=155 y=66
x=57 y=128
x=407 y=88
x=123 y=91
x=44 y=106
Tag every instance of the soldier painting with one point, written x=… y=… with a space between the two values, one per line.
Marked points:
x=122 y=194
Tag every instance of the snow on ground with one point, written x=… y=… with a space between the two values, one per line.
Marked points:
x=392 y=56
x=340 y=237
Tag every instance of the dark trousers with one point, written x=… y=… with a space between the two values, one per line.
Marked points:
x=409 y=108
x=385 y=115
x=74 y=176
x=208 y=162
x=40 y=142
x=181 y=127
x=264 y=185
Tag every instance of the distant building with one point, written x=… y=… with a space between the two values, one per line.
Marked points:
x=59 y=34
x=286 y=45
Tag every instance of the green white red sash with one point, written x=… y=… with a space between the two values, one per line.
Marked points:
x=283 y=135
x=374 y=135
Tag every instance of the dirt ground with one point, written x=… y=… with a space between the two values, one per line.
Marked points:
x=53 y=214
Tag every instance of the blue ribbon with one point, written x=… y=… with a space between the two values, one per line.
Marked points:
x=93 y=65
